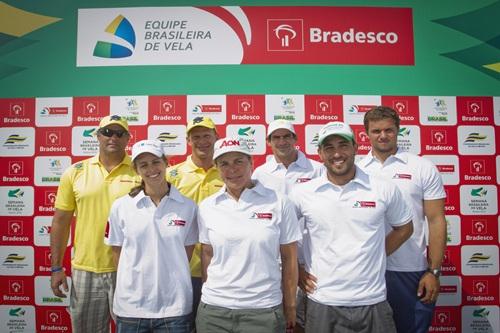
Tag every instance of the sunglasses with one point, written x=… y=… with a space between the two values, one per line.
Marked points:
x=109 y=132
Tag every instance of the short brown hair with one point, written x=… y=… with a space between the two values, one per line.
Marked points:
x=380 y=113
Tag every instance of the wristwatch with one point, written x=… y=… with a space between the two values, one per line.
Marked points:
x=434 y=271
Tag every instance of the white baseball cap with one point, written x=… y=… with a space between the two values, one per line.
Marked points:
x=335 y=128
x=147 y=146
x=228 y=145
x=280 y=124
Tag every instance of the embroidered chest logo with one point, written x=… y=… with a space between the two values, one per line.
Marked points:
x=364 y=204
x=401 y=176
x=302 y=180
x=262 y=216
x=176 y=222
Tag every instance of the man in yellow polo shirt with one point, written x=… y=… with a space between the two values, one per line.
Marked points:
x=87 y=190
x=197 y=178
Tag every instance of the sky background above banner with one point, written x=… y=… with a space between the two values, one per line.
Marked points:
x=453 y=41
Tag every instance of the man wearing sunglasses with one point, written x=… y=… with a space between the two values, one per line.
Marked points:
x=87 y=190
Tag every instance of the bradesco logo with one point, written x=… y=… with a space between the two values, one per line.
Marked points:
x=285 y=35
x=352 y=36
x=120 y=27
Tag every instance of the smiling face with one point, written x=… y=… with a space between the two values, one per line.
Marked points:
x=337 y=153
x=202 y=140
x=151 y=169
x=235 y=171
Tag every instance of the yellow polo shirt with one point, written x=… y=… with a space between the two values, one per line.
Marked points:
x=89 y=190
x=197 y=184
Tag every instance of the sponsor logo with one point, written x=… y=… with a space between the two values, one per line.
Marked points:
x=44 y=230
x=16 y=193
x=401 y=106
x=15 y=227
x=13 y=258
x=207 y=108
x=176 y=222
x=53 y=138
x=91 y=108
x=404 y=131
x=262 y=216
x=54 y=317
x=14 y=138
x=324 y=106
x=479 y=227
x=285 y=35
x=360 y=108
x=16 y=110
x=442 y=317
x=479 y=287
x=49 y=198
x=54 y=111
x=315 y=139
x=287 y=103
x=480 y=313
x=445 y=168
x=16 y=168
x=477 y=167
x=364 y=204
x=475 y=108
x=16 y=287
x=302 y=180
x=478 y=257
x=228 y=143
x=438 y=137
x=167 y=106
x=363 y=137
x=448 y=289
x=121 y=28
x=17 y=312
x=478 y=192
x=89 y=133
x=246 y=131
x=166 y=136
x=245 y=106
x=132 y=105
x=401 y=176
x=474 y=138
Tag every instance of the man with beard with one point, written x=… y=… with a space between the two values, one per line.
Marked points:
x=345 y=212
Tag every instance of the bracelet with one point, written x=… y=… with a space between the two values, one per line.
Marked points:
x=56 y=269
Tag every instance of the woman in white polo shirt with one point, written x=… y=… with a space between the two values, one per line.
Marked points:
x=152 y=232
x=243 y=229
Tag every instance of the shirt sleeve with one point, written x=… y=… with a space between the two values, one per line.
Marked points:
x=398 y=211
x=289 y=224
x=114 y=235
x=203 y=230
x=432 y=182
x=192 y=234
x=65 y=199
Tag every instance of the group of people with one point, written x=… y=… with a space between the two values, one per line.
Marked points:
x=212 y=244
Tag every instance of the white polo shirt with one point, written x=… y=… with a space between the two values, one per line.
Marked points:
x=345 y=242
x=277 y=177
x=245 y=236
x=153 y=279
x=419 y=180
